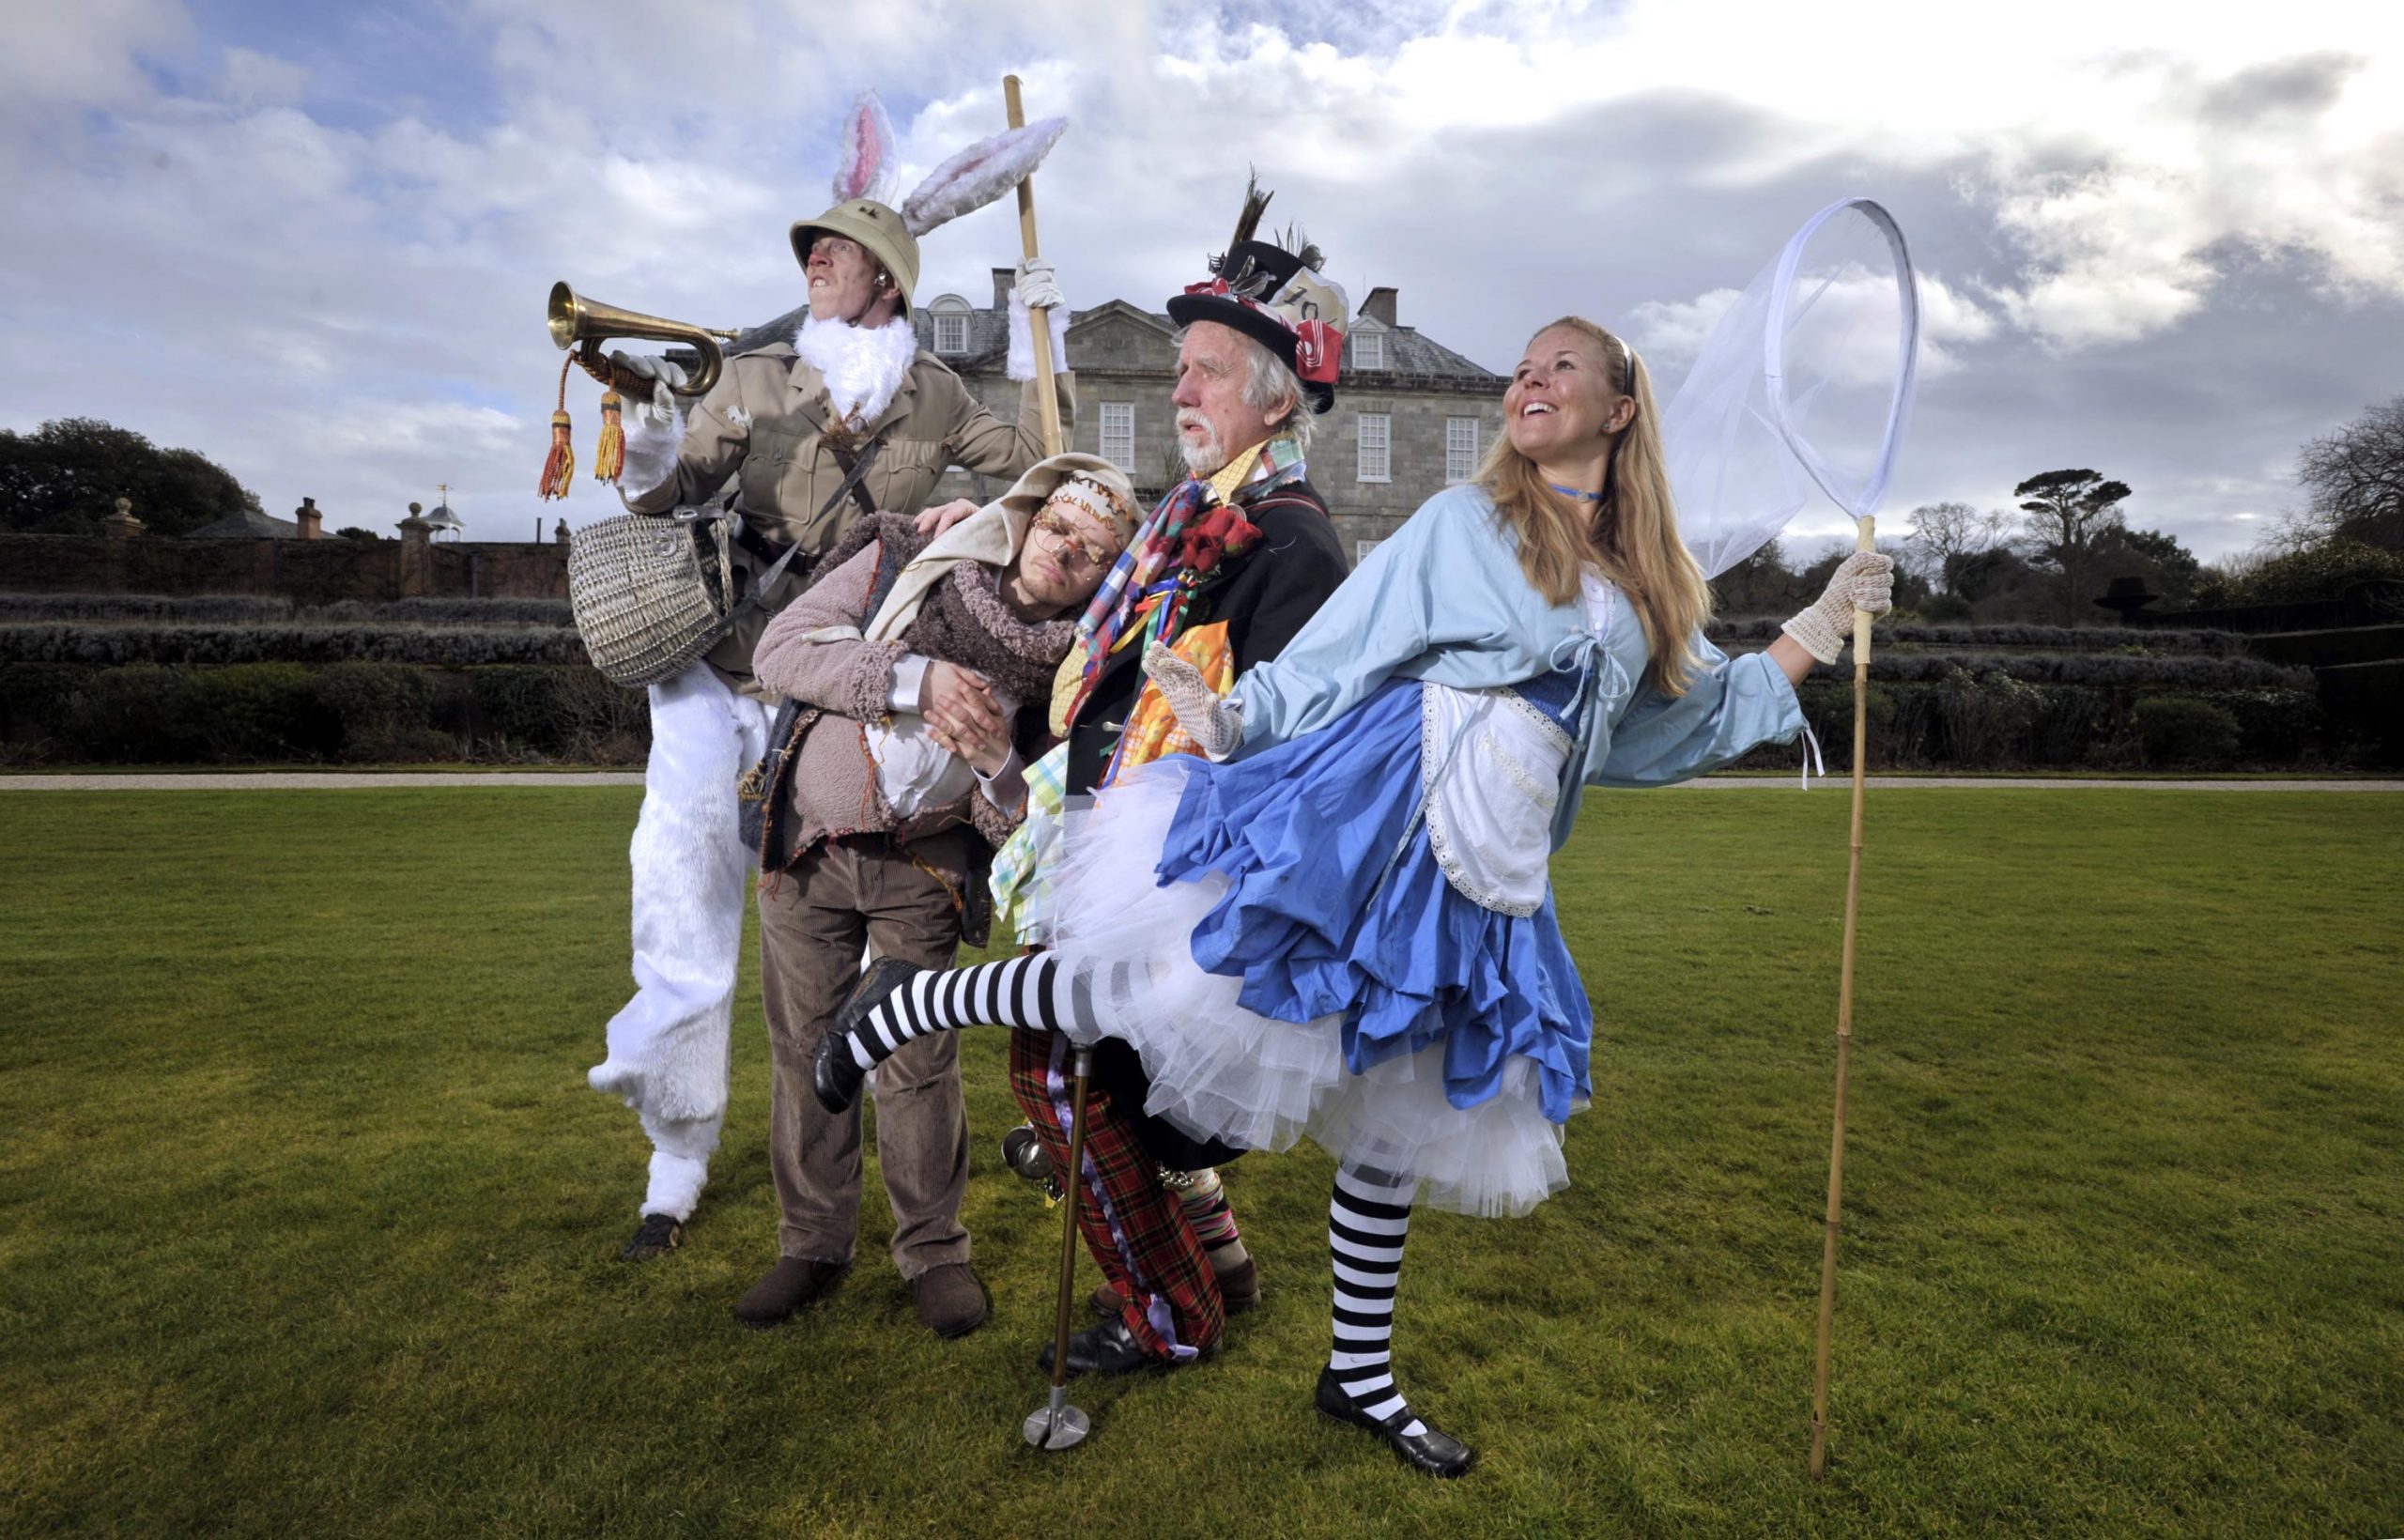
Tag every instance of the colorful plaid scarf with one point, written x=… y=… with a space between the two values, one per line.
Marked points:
x=1153 y=582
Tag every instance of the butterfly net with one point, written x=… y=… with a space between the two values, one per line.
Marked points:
x=1801 y=389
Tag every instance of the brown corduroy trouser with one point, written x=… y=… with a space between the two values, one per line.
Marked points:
x=815 y=920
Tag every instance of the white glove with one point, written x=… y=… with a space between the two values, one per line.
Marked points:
x=1210 y=721
x=1035 y=287
x=660 y=409
x=1864 y=581
x=1038 y=289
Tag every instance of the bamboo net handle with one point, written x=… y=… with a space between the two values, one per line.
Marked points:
x=1865 y=539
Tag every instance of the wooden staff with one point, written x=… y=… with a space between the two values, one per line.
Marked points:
x=1864 y=540
x=1039 y=321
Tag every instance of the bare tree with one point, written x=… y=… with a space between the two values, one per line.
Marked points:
x=2355 y=478
x=2068 y=512
x=1944 y=532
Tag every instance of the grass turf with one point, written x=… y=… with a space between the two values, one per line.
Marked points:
x=308 y=1222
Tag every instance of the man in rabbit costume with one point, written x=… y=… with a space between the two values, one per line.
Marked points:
x=786 y=422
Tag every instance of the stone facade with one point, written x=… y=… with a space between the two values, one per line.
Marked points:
x=1126 y=359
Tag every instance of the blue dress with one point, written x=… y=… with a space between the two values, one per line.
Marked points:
x=1324 y=917
x=1307 y=941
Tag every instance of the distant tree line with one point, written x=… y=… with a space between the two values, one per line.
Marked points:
x=2051 y=556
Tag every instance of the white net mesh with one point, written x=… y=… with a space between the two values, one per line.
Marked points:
x=1805 y=382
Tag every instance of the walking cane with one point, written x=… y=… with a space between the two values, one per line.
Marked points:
x=1057 y=1425
x=1864 y=541
x=1038 y=322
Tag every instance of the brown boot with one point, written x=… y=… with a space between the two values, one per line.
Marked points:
x=794 y=1282
x=952 y=1301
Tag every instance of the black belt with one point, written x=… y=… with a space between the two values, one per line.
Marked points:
x=750 y=539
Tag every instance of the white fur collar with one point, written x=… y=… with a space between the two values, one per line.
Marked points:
x=862 y=366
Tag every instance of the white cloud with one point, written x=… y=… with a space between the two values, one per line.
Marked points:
x=230 y=265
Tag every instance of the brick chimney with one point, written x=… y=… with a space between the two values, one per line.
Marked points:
x=1005 y=279
x=312 y=522
x=1380 y=304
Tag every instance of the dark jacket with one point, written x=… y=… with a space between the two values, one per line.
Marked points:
x=1264 y=597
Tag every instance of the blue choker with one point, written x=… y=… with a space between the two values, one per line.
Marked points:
x=1580 y=494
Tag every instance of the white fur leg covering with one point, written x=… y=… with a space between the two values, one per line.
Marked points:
x=680 y=1165
x=1021 y=363
x=669 y=1048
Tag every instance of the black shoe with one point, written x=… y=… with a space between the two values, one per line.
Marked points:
x=1437 y=1453
x=1106 y=1348
x=657 y=1236
x=834 y=1076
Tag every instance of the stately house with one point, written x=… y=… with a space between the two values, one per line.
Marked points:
x=1411 y=414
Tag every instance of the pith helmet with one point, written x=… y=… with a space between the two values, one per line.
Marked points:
x=879 y=231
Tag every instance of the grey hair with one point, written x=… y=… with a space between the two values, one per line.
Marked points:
x=1270 y=383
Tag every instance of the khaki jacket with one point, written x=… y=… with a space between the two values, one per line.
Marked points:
x=765 y=424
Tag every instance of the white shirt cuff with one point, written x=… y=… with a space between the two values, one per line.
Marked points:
x=1006 y=787
x=909 y=679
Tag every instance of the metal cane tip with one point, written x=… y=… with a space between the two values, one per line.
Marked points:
x=1062 y=1429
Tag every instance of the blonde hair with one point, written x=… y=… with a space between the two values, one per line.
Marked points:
x=1632 y=536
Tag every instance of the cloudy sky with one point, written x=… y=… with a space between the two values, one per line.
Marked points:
x=313 y=241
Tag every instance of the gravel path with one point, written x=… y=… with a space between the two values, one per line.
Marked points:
x=303 y=781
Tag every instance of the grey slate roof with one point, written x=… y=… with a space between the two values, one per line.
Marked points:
x=247 y=524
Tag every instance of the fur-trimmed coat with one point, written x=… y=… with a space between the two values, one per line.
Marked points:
x=833 y=783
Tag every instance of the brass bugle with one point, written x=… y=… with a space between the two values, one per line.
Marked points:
x=575 y=319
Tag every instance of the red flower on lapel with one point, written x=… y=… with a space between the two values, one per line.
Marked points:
x=1221 y=532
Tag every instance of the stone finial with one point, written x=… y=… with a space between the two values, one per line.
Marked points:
x=416 y=528
x=121 y=525
x=560 y=533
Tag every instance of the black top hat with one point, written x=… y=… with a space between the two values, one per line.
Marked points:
x=1276 y=297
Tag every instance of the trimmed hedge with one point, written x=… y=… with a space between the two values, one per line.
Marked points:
x=2009 y=639
x=64 y=642
x=2095 y=670
x=1992 y=721
x=358 y=712
x=455 y=611
x=2367 y=700
x=205 y=609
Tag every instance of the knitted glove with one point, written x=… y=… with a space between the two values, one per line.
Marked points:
x=1213 y=725
x=1865 y=581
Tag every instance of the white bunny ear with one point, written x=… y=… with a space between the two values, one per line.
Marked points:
x=979 y=174
x=866 y=168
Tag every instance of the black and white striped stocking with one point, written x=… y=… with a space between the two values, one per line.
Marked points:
x=1037 y=991
x=1367 y=1221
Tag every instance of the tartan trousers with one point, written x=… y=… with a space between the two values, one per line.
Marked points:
x=1134 y=1225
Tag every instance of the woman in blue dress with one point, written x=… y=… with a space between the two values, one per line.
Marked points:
x=1338 y=923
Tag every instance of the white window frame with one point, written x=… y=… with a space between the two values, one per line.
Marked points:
x=1374 y=462
x=1361 y=549
x=1460 y=448
x=1368 y=350
x=1117 y=422
x=957 y=328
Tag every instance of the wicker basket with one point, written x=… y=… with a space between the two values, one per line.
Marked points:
x=651 y=593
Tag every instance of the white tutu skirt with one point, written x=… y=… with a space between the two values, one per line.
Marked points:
x=1221 y=1071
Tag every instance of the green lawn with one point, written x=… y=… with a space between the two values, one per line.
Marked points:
x=308 y=1222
